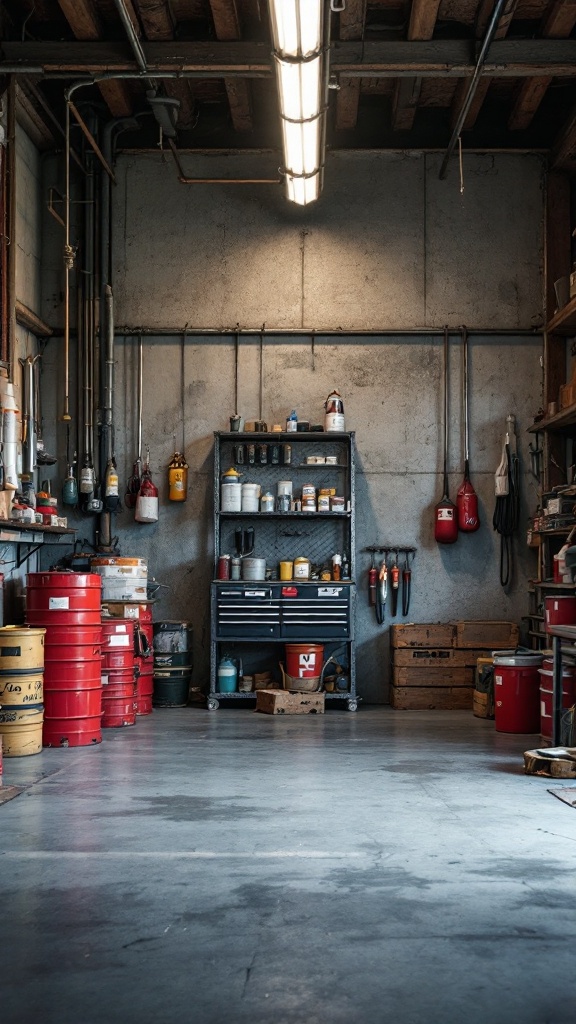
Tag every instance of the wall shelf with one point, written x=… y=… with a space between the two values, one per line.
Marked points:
x=564 y=321
x=32 y=536
x=565 y=418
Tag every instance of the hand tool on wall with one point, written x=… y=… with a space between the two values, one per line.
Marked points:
x=372 y=582
x=382 y=592
x=406 y=585
x=507 y=509
x=394 y=584
x=445 y=513
x=466 y=499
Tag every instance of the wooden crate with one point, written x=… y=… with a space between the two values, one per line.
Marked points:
x=425 y=634
x=424 y=657
x=285 y=702
x=431 y=698
x=487 y=633
x=483 y=704
x=439 y=676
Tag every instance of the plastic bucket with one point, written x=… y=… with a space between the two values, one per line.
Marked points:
x=304 y=661
x=63 y=598
x=21 y=649
x=118 y=645
x=559 y=611
x=21 y=730
x=517 y=692
x=24 y=690
x=172 y=637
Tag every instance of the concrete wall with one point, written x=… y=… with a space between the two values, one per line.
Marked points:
x=388 y=248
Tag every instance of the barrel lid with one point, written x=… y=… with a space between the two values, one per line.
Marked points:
x=27 y=630
x=518 y=659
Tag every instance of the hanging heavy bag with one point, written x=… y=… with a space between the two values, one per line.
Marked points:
x=445 y=513
x=466 y=499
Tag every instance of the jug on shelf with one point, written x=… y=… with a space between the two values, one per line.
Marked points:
x=229 y=672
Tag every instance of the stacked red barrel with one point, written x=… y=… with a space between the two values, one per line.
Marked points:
x=118 y=673
x=67 y=604
x=144 y=660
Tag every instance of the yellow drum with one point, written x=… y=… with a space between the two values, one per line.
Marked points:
x=21 y=730
x=21 y=649
x=21 y=690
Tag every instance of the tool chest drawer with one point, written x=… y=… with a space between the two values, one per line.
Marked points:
x=247 y=610
x=315 y=610
x=311 y=610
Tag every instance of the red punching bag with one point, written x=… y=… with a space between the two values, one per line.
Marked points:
x=466 y=499
x=445 y=513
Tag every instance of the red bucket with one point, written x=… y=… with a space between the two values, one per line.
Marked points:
x=560 y=611
x=144 y=705
x=71 y=732
x=118 y=644
x=304 y=661
x=517 y=692
x=118 y=712
x=63 y=598
x=546 y=697
x=73 y=704
x=72 y=675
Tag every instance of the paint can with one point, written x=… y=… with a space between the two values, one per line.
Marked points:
x=119 y=701
x=21 y=650
x=250 y=498
x=516 y=692
x=63 y=598
x=301 y=570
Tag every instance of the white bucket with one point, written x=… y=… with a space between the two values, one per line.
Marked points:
x=250 y=498
x=124 y=589
x=120 y=568
x=231 y=498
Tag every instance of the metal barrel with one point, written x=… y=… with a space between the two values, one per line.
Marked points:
x=72 y=686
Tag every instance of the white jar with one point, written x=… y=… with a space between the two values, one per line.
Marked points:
x=301 y=568
x=250 y=501
x=285 y=487
x=231 y=498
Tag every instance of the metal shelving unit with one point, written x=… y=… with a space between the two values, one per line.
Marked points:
x=252 y=620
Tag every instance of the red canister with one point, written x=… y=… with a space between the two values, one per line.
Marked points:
x=223 y=572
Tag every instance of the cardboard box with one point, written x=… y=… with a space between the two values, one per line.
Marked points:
x=487 y=633
x=431 y=698
x=288 y=702
x=426 y=634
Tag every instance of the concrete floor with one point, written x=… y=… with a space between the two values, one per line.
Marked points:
x=232 y=867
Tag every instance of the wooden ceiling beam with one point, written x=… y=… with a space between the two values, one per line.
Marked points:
x=423 y=16
x=156 y=19
x=351 y=26
x=439 y=58
x=564 y=149
x=484 y=14
x=83 y=19
x=558 y=24
x=227 y=28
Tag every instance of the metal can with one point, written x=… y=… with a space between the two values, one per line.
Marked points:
x=267 y=502
x=262 y=454
x=283 y=503
x=323 y=502
x=274 y=454
x=235 y=568
x=251 y=454
x=239 y=454
x=308 y=491
x=223 y=567
x=286 y=454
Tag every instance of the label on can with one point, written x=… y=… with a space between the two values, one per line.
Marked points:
x=56 y=604
x=301 y=570
x=323 y=503
x=334 y=421
x=119 y=640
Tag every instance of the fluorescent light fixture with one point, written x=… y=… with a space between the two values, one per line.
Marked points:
x=301 y=73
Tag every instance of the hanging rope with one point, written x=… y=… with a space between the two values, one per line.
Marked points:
x=507 y=516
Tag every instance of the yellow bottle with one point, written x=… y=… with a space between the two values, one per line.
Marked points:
x=178 y=478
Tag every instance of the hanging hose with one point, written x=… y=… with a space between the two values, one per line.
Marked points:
x=507 y=515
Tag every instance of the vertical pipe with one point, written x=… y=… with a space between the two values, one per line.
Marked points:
x=11 y=289
x=67 y=266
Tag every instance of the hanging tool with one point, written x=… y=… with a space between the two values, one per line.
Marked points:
x=372 y=582
x=394 y=584
x=466 y=499
x=147 y=500
x=507 y=509
x=445 y=513
x=70 y=485
x=28 y=416
x=43 y=458
x=382 y=592
x=133 y=485
x=406 y=585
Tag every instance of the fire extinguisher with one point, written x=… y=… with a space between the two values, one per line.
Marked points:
x=466 y=498
x=147 y=500
x=178 y=478
x=445 y=513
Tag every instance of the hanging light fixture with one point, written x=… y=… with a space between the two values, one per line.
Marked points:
x=300 y=55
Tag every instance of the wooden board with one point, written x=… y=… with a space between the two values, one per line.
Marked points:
x=425 y=634
x=435 y=676
x=551 y=763
x=490 y=634
x=431 y=698
x=432 y=657
x=286 y=702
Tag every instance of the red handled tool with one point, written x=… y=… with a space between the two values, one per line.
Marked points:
x=466 y=498
x=382 y=592
x=406 y=585
x=395 y=584
x=445 y=513
x=372 y=583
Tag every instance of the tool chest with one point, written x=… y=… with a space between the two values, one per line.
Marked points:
x=283 y=610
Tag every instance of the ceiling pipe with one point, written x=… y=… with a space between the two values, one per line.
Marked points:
x=184 y=180
x=135 y=43
x=499 y=10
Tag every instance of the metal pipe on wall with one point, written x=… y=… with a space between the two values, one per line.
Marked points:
x=11 y=251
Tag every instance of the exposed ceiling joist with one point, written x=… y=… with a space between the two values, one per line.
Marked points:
x=83 y=19
x=564 y=151
x=435 y=59
x=558 y=24
x=227 y=27
x=157 y=25
x=423 y=15
x=484 y=14
x=352 y=20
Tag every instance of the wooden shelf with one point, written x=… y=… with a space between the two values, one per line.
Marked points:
x=565 y=418
x=558 y=531
x=550 y=585
x=564 y=321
